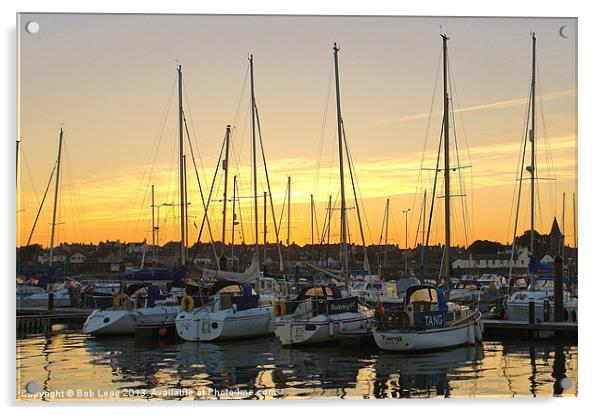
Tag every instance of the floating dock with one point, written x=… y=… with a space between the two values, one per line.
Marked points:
x=506 y=328
x=40 y=318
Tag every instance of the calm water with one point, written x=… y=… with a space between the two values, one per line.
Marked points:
x=68 y=362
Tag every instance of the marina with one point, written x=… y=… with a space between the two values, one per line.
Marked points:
x=229 y=287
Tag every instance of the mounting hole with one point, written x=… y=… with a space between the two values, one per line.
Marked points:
x=32 y=27
x=566 y=383
x=32 y=387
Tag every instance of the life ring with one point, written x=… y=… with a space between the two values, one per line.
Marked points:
x=187 y=303
x=121 y=299
x=279 y=308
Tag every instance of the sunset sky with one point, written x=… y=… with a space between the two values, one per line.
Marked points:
x=109 y=81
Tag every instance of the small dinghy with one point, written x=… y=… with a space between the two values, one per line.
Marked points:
x=319 y=315
x=426 y=322
x=231 y=312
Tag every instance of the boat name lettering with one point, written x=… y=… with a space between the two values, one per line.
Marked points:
x=343 y=305
x=433 y=319
x=391 y=339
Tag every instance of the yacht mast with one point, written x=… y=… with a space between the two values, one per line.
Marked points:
x=182 y=172
x=446 y=261
x=328 y=227
x=255 y=207
x=265 y=225
x=17 y=168
x=225 y=201
x=423 y=236
x=233 y=216
x=311 y=215
x=386 y=234
x=561 y=247
x=531 y=168
x=344 y=259
x=288 y=212
x=56 y=196
x=153 y=228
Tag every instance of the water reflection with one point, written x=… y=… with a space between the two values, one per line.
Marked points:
x=69 y=359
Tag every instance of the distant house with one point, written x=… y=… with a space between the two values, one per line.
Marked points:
x=501 y=259
x=77 y=258
x=56 y=258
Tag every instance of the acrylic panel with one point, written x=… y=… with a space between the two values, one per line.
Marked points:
x=278 y=207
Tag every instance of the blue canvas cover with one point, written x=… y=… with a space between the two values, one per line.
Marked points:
x=247 y=300
x=153 y=294
x=158 y=274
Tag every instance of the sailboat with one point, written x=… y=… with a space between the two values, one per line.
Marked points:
x=319 y=314
x=233 y=309
x=540 y=290
x=37 y=295
x=142 y=304
x=427 y=320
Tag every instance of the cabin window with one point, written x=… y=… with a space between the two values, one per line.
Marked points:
x=318 y=292
x=424 y=296
x=231 y=289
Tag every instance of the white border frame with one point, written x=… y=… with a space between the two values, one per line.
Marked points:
x=589 y=155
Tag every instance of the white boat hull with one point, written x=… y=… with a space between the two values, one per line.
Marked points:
x=110 y=322
x=320 y=329
x=158 y=316
x=416 y=340
x=203 y=325
x=519 y=311
x=41 y=300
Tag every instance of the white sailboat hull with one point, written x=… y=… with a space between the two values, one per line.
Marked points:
x=158 y=316
x=205 y=326
x=413 y=340
x=519 y=311
x=320 y=329
x=110 y=322
x=41 y=300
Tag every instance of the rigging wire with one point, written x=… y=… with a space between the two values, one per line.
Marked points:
x=419 y=183
x=41 y=204
x=358 y=205
x=155 y=147
x=519 y=167
x=265 y=166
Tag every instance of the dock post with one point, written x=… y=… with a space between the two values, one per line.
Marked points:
x=50 y=301
x=558 y=290
x=546 y=310
x=531 y=312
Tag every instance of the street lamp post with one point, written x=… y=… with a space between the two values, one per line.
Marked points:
x=406 y=250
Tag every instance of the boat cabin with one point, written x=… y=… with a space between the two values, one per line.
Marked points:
x=325 y=299
x=425 y=307
x=231 y=294
x=395 y=290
